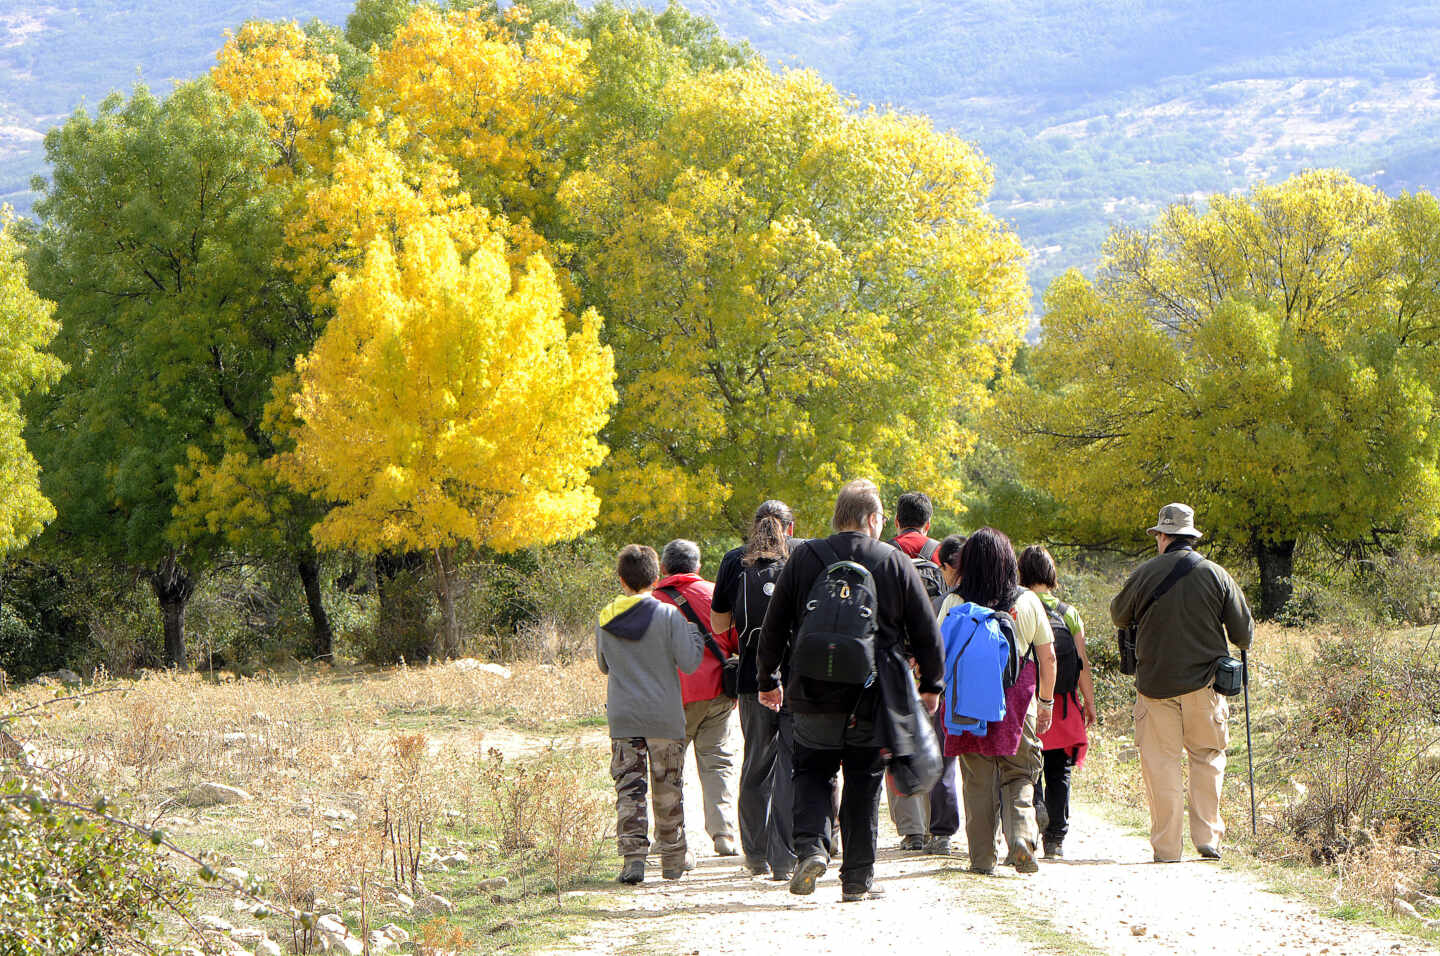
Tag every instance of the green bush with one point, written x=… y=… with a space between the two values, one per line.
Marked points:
x=72 y=884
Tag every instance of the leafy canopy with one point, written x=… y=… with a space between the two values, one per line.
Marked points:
x=445 y=404
x=26 y=328
x=797 y=293
x=1270 y=359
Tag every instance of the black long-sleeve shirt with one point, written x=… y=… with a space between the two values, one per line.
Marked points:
x=904 y=617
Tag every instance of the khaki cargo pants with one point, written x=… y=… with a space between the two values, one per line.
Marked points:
x=1195 y=725
x=666 y=759
x=709 y=726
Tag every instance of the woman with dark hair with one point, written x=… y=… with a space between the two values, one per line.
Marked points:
x=743 y=585
x=1065 y=743
x=948 y=557
x=999 y=769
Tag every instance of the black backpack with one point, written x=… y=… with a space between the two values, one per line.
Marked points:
x=928 y=570
x=757 y=584
x=836 y=640
x=1067 y=659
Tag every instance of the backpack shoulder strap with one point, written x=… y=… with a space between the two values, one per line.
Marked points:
x=1189 y=562
x=928 y=552
x=688 y=609
x=824 y=551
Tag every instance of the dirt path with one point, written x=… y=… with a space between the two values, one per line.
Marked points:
x=1106 y=897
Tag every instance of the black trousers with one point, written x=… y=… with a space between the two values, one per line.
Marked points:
x=766 y=801
x=814 y=774
x=1054 y=791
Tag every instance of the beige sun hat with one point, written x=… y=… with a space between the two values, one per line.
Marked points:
x=1176 y=519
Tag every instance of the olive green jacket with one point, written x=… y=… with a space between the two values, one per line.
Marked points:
x=1183 y=634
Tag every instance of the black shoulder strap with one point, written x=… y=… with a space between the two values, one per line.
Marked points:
x=1188 y=563
x=825 y=551
x=687 y=609
x=928 y=552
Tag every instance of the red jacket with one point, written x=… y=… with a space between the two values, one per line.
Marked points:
x=704 y=683
x=912 y=542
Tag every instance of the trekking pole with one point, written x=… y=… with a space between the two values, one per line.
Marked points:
x=1249 y=750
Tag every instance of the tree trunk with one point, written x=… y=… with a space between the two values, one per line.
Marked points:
x=173 y=586
x=444 y=561
x=323 y=639
x=1277 y=564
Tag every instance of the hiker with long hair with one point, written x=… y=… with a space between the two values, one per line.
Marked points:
x=998 y=769
x=743 y=586
x=1065 y=743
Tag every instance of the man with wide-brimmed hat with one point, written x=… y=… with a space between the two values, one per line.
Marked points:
x=1184 y=607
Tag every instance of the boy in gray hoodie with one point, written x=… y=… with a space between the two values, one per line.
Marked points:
x=640 y=642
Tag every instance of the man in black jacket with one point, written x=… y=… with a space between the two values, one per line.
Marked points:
x=835 y=724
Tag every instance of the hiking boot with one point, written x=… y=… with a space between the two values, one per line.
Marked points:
x=853 y=894
x=673 y=872
x=938 y=846
x=724 y=846
x=810 y=869
x=757 y=867
x=1054 y=850
x=1208 y=852
x=780 y=876
x=982 y=870
x=1024 y=857
x=689 y=861
x=913 y=843
x=632 y=872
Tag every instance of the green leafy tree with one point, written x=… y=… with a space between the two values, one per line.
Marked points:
x=160 y=244
x=797 y=293
x=1270 y=359
x=26 y=328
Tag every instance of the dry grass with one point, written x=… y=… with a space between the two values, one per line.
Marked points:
x=327 y=757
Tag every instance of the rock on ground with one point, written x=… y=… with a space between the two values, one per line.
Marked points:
x=210 y=793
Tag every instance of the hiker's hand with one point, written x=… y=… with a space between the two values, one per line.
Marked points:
x=771 y=698
x=931 y=702
x=1045 y=714
x=1089 y=711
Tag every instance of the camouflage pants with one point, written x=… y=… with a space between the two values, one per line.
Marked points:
x=666 y=758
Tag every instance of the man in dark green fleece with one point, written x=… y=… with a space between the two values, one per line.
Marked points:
x=640 y=642
x=1182 y=636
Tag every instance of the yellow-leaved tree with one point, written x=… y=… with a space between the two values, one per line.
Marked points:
x=797 y=293
x=493 y=104
x=446 y=404
x=1269 y=358
x=283 y=73
x=26 y=328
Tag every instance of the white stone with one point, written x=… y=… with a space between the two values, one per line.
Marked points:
x=455 y=859
x=210 y=793
x=332 y=813
x=397 y=933
x=1406 y=909
x=494 y=883
x=436 y=905
x=247 y=934
x=268 y=947
x=62 y=676
x=215 y=924
x=236 y=874
x=484 y=667
x=379 y=942
x=331 y=926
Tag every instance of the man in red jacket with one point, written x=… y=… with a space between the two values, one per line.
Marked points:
x=708 y=712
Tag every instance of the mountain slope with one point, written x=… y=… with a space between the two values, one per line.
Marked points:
x=1092 y=111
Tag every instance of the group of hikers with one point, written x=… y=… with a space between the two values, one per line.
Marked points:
x=952 y=663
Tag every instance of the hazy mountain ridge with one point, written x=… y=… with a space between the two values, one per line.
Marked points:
x=1091 y=111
